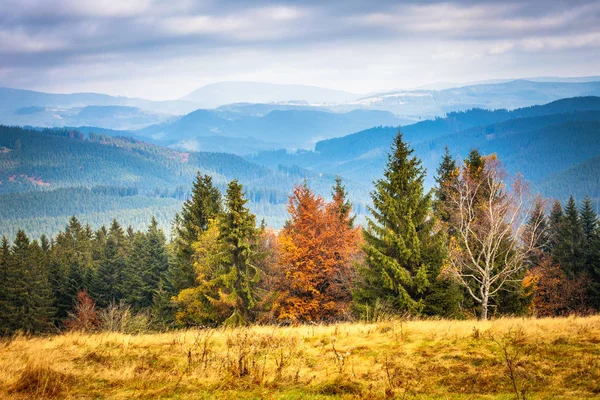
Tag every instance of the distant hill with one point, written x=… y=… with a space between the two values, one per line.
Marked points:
x=14 y=99
x=364 y=141
x=221 y=93
x=579 y=180
x=536 y=141
x=107 y=117
x=509 y=95
x=294 y=128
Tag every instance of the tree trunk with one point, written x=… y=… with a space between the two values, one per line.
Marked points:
x=484 y=304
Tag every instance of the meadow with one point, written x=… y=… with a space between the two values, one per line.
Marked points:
x=507 y=358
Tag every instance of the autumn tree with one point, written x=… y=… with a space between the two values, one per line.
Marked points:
x=488 y=250
x=317 y=245
x=554 y=293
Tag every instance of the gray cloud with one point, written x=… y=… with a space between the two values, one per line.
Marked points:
x=160 y=48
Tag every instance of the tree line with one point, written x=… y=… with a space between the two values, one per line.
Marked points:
x=476 y=244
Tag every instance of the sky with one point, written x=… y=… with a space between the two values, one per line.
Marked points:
x=164 y=49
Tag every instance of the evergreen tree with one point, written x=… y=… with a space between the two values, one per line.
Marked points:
x=133 y=286
x=569 y=248
x=554 y=221
x=445 y=180
x=238 y=280
x=107 y=282
x=403 y=250
x=157 y=260
x=8 y=307
x=591 y=249
x=203 y=205
x=227 y=277
x=341 y=202
x=71 y=265
x=31 y=308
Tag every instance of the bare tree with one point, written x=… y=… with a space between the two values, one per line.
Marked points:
x=492 y=238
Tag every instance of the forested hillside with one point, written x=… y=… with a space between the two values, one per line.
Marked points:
x=537 y=141
x=46 y=176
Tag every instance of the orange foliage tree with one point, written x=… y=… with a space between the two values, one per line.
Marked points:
x=318 y=245
x=554 y=293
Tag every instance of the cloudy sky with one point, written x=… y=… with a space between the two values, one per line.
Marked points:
x=163 y=49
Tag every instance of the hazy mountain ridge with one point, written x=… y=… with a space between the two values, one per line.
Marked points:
x=295 y=128
x=509 y=95
x=106 y=117
x=221 y=93
x=537 y=141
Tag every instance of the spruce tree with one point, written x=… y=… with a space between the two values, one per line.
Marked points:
x=591 y=249
x=445 y=180
x=568 y=252
x=107 y=284
x=157 y=260
x=8 y=307
x=554 y=220
x=133 y=285
x=403 y=250
x=203 y=206
x=31 y=294
x=239 y=275
x=71 y=265
x=341 y=202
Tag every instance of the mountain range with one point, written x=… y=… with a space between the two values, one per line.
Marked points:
x=46 y=175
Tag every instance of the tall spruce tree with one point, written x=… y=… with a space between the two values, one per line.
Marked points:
x=591 y=249
x=107 y=284
x=445 y=295
x=227 y=273
x=403 y=249
x=239 y=276
x=203 y=206
x=445 y=180
x=71 y=265
x=568 y=252
x=8 y=307
x=31 y=294
x=342 y=204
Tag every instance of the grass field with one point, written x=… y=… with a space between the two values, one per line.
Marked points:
x=500 y=359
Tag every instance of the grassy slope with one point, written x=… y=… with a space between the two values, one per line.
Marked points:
x=552 y=358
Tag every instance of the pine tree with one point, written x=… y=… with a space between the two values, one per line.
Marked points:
x=203 y=205
x=445 y=180
x=238 y=280
x=41 y=310
x=403 y=249
x=568 y=252
x=108 y=280
x=157 y=260
x=133 y=285
x=445 y=295
x=8 y=307
x=591 y=249
x=341 y=203
x=31 y=308
x=554 y=221
x=71 y=265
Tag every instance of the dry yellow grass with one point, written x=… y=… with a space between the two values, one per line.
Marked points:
x=550 y=358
